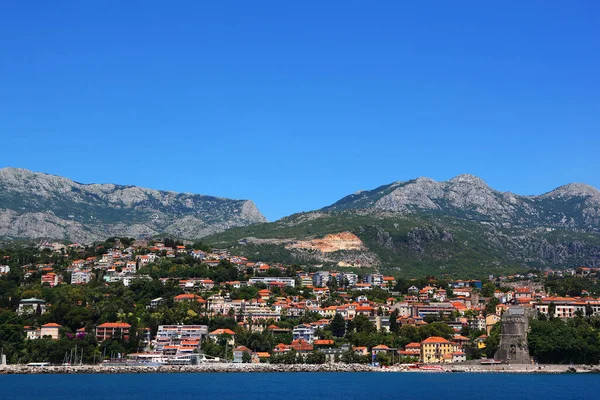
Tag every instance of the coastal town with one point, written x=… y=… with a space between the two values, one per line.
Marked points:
x=130 y=302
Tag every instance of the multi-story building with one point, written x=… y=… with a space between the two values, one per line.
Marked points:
x=567 y=307
x=351 y=278
x=304 y=332
x=218 y=333
x=434 y=348
x=306 y=280
x=30 y=306
x=112 y=330
x=321 y=278
x=422 y=310
x=79 y=277
x=50 y=330
x=478 y=323
x=173 y=335
x=51 y=279
x=374 y=279
x=267 y=280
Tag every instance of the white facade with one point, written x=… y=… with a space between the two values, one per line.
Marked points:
x=305 y=332
x=291 y=282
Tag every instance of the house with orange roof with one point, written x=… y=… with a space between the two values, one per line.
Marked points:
x=264 y=294
x=227 y=333
x=50 y=330
x=523 y=293
x=302 y=346
x=260 y=356
x=188 y=297
x=238 y=353
x=323 y=343
x=412 y=349
x=381 y=348
x=361 y=350
x=52 y=279
x=480 y=341
x=112 y=330
x=281 y=348
x=321 y=292
x=363 y=286
x=365 y=310
x=31 y=332
x=411 y=299
x=277 y=330
x=434 y=348
x=389 y=281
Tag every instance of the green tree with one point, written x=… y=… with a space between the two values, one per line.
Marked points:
x=338 y=326
x=363 y=325
x=394 y=326
x=316 y=357
x=490 y=307
x=552 y=310
x=488 y=289
x=382 y=358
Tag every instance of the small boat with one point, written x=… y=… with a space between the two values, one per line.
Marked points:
x=38 y=364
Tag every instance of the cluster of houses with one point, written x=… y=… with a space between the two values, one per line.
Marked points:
x=460 y=304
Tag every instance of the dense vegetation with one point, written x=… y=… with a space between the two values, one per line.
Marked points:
x=556 y=341
x=413 y=245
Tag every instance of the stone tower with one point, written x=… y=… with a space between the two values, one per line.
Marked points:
x=513 y=347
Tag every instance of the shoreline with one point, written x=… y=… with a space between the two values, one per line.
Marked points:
x=274 y=368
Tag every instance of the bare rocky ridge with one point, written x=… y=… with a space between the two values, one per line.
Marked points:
x=37 y=205
x=573 y=206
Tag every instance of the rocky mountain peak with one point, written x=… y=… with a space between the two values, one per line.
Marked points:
x=468 y=196
x=37 y=205
x=468 y=179
x=574 y=189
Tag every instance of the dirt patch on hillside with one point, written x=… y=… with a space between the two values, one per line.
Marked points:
x=330 y=243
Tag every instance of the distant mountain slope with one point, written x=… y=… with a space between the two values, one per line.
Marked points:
x=37 y=205
x=438 y=227
x=573 y=206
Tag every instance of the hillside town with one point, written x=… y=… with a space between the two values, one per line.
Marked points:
x=150 y=302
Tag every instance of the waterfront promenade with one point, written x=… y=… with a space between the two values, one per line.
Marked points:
x=339 y=367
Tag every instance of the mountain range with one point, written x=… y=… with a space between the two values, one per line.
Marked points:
x=423 y=225
x=459 y=225
x=37 y=205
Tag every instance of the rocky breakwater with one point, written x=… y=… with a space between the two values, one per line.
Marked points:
x=222 y=367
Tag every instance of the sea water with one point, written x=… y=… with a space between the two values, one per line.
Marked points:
x=302 y=386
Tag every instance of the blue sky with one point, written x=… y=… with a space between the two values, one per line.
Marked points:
x=297 y=104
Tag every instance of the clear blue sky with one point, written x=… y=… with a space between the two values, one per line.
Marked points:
x=296 y=104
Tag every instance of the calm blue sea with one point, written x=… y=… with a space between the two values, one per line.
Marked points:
x=304 y=386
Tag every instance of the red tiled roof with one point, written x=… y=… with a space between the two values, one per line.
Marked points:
x=435 y=339
x=114 y=325
x=323 y=342
x=222 y=332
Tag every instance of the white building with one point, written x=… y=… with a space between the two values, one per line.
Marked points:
x=81 y=277
x=291 y=282
x=305 y=332
x=374 y=279
x=32 y=305
x=170 y=335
